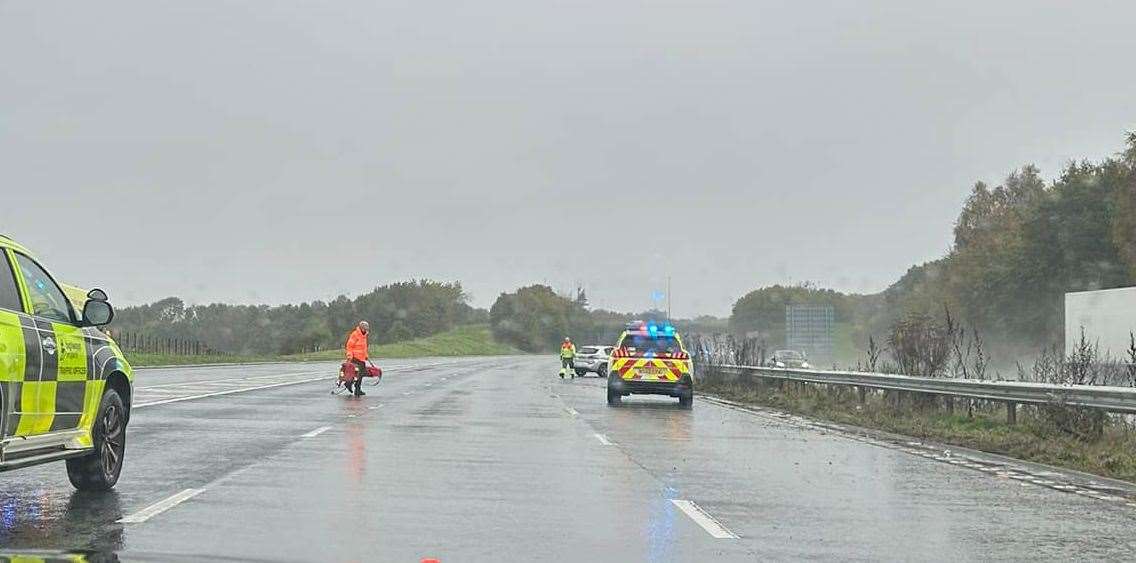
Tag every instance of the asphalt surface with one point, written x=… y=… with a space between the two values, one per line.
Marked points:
x=497 y=459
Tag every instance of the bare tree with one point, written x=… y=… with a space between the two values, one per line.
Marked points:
x=920 y=345
x=1130 y=365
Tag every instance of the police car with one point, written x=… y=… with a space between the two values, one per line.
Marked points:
x=649 y=359
x=65 y=387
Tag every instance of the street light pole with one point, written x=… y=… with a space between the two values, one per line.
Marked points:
x=668 y=299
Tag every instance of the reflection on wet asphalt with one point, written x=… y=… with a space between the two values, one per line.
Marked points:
x=494 y=459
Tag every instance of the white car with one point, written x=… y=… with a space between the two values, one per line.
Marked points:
x=592 y=359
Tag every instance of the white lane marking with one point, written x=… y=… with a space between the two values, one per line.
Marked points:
x=571 y=411
x=316 y=432
x=708 y=523
x=229 y=379
x=229 y=392
x=408 y=393
x=603 y=439
x=375 y=407
x=160 y=507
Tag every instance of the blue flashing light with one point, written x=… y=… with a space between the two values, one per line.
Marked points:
x=669 y=330
x=654 y=329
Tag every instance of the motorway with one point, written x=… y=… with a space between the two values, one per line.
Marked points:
x=497 y=459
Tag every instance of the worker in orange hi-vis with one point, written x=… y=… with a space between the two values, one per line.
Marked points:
x=356 y=350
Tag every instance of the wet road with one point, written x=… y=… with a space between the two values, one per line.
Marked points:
x=496 y=459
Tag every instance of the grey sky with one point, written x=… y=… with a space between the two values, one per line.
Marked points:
x=287 y=151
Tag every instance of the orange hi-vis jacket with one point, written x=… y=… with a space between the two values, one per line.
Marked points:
x=357 y=345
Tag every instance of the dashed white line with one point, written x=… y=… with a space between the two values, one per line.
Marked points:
x=375 y=407
x=316 y=432
x=603 y=439
x=571 y=411
x=160 y=507
x=708 y=523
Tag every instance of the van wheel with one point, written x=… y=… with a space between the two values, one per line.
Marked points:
x=99 y=471
x=602 y=372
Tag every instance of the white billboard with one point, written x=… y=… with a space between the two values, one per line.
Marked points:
x=1108 y=317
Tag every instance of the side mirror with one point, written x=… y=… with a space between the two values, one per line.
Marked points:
x=97 y=312
x=98 y=295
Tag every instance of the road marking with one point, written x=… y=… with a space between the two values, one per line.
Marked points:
x=571 y=411
x=160 y=507
x=316 y=432
x=708 y=523
x=230 y=392
x=408 y=393
x=603 y=439
x=375 y=407
x=228 y=379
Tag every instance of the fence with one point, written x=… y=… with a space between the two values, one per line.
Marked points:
x=147 y=344
x=1012 y=393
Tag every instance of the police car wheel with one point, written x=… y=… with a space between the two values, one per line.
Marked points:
x=686 y=401
x=613 y=398
x=602 y=372
x=99 y=471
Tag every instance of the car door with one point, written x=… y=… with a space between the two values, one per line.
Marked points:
x=13 y=361
x=60 y=390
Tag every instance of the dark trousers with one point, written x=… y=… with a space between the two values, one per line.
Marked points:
x=360 y=369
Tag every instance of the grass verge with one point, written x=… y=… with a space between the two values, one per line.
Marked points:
x=1031 y=439
x=146 y=360
x=473 y=340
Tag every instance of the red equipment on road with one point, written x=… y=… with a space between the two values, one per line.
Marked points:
x=347 y=372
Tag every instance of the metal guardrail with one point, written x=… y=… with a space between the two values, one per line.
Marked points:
x=1111 y=399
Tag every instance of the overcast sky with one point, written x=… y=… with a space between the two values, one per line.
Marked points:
x=288 y=151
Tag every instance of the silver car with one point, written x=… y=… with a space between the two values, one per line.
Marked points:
x=788 y=359
x=592 y=359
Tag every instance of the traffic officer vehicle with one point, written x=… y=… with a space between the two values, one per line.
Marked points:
x=65 y=387
x=592 y=359
x=649 y=359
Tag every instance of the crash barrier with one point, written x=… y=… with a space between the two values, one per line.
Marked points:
x=1012 y=393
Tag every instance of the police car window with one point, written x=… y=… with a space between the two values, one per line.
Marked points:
x=9 y=294
x=643 y=344
x=47 y=299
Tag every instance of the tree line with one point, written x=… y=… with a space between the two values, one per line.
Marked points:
x=536 y=319
x=397 y=311
x=1018 y=247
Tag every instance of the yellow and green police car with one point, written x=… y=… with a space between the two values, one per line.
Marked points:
x=65 y=387
x=649 y=359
